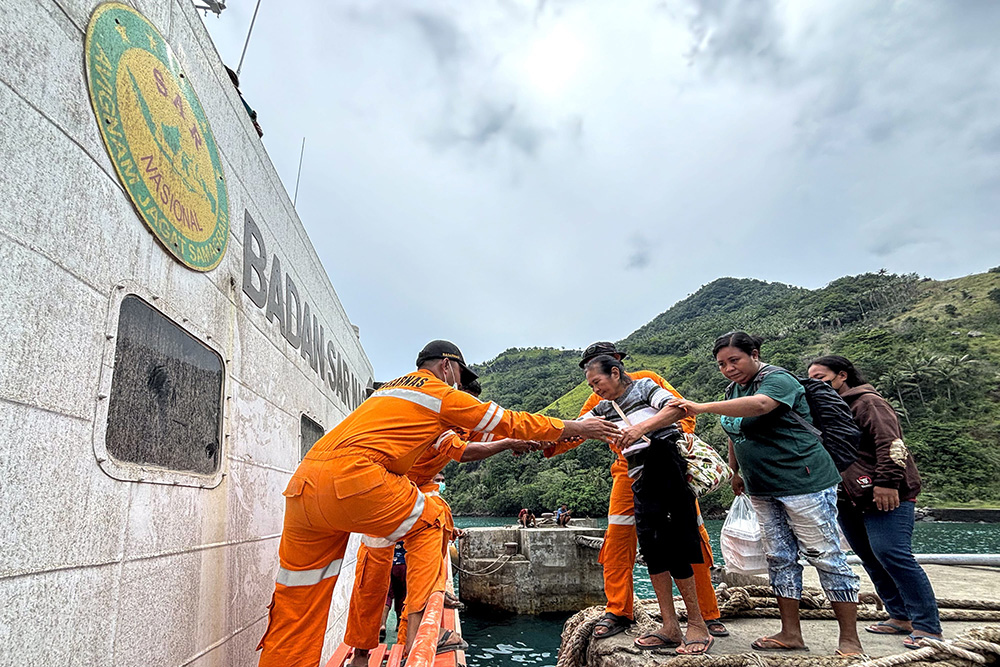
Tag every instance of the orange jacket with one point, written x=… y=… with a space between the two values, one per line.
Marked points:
x=404 y=417
x=686 y=424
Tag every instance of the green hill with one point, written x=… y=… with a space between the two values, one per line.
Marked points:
x=931 y=347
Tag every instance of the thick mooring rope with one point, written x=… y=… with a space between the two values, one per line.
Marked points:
x=980 y=646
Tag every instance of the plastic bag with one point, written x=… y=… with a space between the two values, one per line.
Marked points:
x=742 y=547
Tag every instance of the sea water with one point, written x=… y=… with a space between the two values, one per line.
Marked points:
x=511 y=640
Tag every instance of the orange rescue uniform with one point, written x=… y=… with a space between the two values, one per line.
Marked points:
x=618 y=553
x=371 y=576
x=352 y=480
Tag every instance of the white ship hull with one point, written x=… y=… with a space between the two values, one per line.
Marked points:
x=105 y=561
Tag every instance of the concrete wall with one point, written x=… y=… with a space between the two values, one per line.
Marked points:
x=96 y=567
x=550 y=572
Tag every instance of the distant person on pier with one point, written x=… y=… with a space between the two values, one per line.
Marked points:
x=879 y=525
x=666 y=514
x=563 y=515
x=791 y=480
x=376 y=558
x=526 y=518
x=618 y=553
x=353 y=481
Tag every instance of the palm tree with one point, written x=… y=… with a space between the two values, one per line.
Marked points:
x=923 y=371
x=893 y=382
x=953 y=372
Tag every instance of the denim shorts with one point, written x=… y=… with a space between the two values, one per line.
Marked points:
x=805 y=525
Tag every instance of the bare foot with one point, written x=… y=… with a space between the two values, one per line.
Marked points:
x=779 y=642
x=696 y=632
x=662 y=637
x=850 y=646
x=359 y=659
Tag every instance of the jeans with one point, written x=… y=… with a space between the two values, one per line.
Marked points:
x=805 y=524
x=882 y=540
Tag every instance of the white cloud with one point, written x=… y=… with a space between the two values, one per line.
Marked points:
x=524 y=156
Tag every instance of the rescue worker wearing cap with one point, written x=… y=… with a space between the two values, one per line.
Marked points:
x=372 y=573
x=353 y=480
x=619 y=550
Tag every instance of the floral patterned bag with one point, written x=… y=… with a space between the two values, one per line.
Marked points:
x=706 y=471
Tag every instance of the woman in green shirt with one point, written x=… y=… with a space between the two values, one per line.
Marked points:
x=792 y=483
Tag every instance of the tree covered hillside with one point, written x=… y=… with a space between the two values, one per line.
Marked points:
x=931 y=347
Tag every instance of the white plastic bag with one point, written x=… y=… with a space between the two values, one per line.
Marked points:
x=742 y=548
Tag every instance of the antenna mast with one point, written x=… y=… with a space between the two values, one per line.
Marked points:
x=247 y=42
x=299 y=175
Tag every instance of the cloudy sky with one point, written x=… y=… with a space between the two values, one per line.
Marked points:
x=510 y=173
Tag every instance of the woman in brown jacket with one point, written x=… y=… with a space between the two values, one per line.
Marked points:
x=880 y=527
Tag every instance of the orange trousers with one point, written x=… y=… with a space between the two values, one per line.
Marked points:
x=326 y=500
x=619 y=550
x=371 y=581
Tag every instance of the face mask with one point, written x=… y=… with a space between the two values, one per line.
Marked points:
x=440 y=487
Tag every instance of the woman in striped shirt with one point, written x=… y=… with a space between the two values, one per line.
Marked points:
x=665 y=514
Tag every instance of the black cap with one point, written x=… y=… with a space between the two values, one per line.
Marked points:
x=597 y=349
x=443 y=349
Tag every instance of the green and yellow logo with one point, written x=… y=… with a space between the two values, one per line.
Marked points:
x=157 y=135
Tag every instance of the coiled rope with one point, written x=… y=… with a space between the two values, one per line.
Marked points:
x=980 y=646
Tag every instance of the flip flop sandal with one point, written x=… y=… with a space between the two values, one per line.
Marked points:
x=913 y=641
x=760 y=644
x=615 y=624
x=848 y=654
x=705 y=643
x=716 y=628
x=444 y=647
x=887 y=628
x=667 y=642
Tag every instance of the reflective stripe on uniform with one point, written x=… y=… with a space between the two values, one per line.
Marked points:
x=490 y=411
x=495 y=421
x=404 y=528
x=418 y=397
x=441 y=438
x=308 y=577
x=701 y=522
x=373 y=542
x=621 y=520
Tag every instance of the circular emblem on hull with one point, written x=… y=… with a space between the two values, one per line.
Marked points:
x=157 y=135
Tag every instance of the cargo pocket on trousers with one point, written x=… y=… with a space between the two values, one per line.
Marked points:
x=294 y=488
x=602 y=554
x=356 y=483
x=294 y=501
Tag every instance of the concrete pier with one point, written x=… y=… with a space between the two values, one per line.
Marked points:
x=530 y=570
x=949 y=582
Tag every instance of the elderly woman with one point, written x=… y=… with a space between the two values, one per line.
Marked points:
x=792 y=482
x=880 y=527
x=665 y=514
